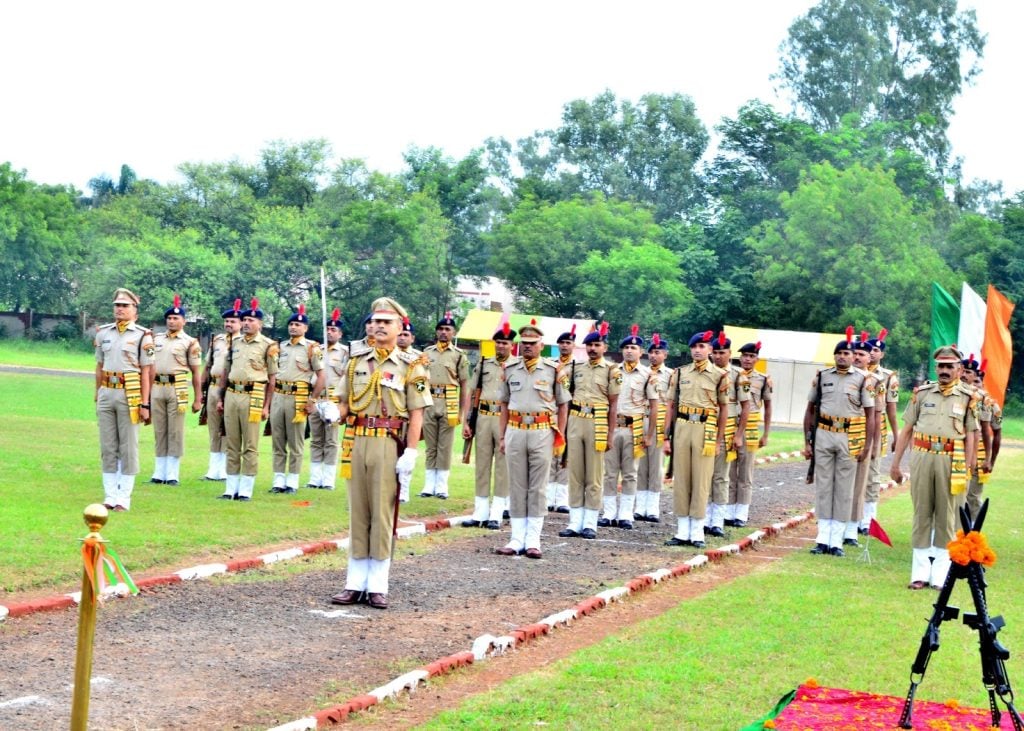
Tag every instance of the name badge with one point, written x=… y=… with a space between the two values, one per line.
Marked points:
x=958 y=410
x=392 y=381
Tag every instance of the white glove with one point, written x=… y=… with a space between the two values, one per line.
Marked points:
x=404 y=478
x=406 y=462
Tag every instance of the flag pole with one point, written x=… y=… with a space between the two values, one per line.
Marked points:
x=323 y=305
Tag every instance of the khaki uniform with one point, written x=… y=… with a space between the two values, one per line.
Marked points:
x=449 y=368
x=298 y=364
x=860 y=480
x=323 y=437
x=649 y=468
x=531 y=400
x=117 y=354
x=487 y=439
x=218 y=357
x=558 y=479
x=594 y=386
x=887 y=392
x=986 y=409
x=176 y=355
x=373 y=486
x=637 y=390
x=844 y=396
x=700 y=395
x=741 y=471
x=739 y=394
x=941 y=423
x=252 y=361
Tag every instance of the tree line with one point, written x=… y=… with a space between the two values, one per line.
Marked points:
x=842 y=210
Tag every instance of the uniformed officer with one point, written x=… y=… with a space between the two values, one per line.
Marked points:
x=216 y=360
x=987 y=421
x=634 y=433
x=649 y=467
x=695 y=419
x=124 y=359
x=861 y=361
x=741 y=472
x=558 y=481
x=595 y=392
x=533 y=401
x=248 y=388
x=323 y=435
x=941 y=428
x=489 y=381
x=839 y=420
x=735 y=431
x=176 y=362
x=449 y=389
x=888 y=396
x=383 y=394
x=407 y=339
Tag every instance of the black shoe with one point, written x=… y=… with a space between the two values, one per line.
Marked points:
x=862 y=531
x=739 y=523
x=673 y=541
x=470 y=523
x=603 y=523
x=315 y=487
x=225 y=497
x=551 y=508
x=716 y=532
x=652 y=519
x=625 y=524
x=156 y=481
x=568 y=533
x=820 y=549
x=441 y=497
x=276 y=490
x=851 y=542
x=289 y=491
x=699 y=544
x=564 y=509
x=504 y=514
x=641 y=518
x=588 y=533
x=731 y=522
x=426 y=494
x=170 y=482
x=242 y=498
x=837 y=551
x=707 y=529
x=492 y=525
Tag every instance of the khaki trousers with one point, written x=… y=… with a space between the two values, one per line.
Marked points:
x=741 y=477
x=168 y=424
x=860 y=484
x=287 y=437
x=874 y=486
x=438 y=436
x=242 y=436
x=649 y=467
x=528 y=456
x=323 y=440
x=934 y=505
x=119 y=437
x=214 y=420
x=372 y=491
x=486 y=442
x=586 y=465
x=691 y=471
x=834 y=473
x=619 y=459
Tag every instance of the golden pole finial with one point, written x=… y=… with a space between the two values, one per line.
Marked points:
x=95 y=517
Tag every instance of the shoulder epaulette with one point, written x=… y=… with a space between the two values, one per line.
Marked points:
x=106 y=326
x=927 y=386
x=549 y=361
x=359 y=347
x=409 y=359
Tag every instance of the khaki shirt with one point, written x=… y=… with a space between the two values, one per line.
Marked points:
x=843 y=394
x=638 y=388
x=337 y=359
x=888 y=386
x=760 y=386
x=739 y=389
x=447 y=368
x=253 y=359
x=299 y=361
x=662 y=377
x=175 y=353
x=594 y=382
x=124 y=352
x=531 y=393
x=493 y=378
x=707 y=389
x=948 y=417
x=403 y=383
x=218 y=355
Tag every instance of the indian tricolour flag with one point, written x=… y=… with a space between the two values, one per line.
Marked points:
x=945 y=322
x=971 y=331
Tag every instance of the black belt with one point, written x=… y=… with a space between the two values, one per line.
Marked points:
x=164 y=378
x=624 y=420
x=692 y=417
x=583 y=409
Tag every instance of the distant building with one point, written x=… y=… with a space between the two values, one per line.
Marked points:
x=485 y=293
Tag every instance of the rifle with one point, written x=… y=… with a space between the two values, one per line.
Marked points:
x=672 y=437
x=572 y=391
x=474 y=412
x=813 y=432
x=206 y=395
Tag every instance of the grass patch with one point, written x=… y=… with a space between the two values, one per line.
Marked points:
x=74 y=356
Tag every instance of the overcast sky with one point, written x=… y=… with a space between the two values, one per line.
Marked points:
x=89 y=86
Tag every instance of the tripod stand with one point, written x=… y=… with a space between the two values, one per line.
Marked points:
x=993 y=653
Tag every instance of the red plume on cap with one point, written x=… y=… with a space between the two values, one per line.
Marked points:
x=177 y=301
x=572 y=330
x=255 y=304
x=634 y=330
x=336 y=313
x=881 y=334
x=533 y=321
x=708 y=334
x=757 y=346
x=603 y=330
x=405 y=321
x=655 y=340
x=721 y=338
x=849 y=334
x=984 y=365
x=864 y=335
x=447 y=314
x=970 y=357
x=506 y=329
x=238 y=304
x=302 y=309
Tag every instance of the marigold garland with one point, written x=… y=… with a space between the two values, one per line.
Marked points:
x=971 y=547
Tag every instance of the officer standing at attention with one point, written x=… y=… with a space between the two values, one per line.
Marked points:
x=449 y=379
x=248 y=388
x=176 y=362
x=490 y=377
x=595 y=392
x=735 y=430
x=634 y=433
x=300 y=382
x=840 y=420
x=861 y=360
x=383 y=394
x=941 y=427
x=741 y=472
x=888 y=396
x=558 y=481
x=323 y=436
x=124 y=359
x=970 y=375
x=649 y=467
x=533 y=403
x=695 y=419
x=216 y=360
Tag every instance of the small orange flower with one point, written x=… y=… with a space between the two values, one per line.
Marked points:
x=769 y=723
x=971 y=547
x=952 y=703
x=812 y=683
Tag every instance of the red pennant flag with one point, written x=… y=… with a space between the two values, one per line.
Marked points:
x=876 y=530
